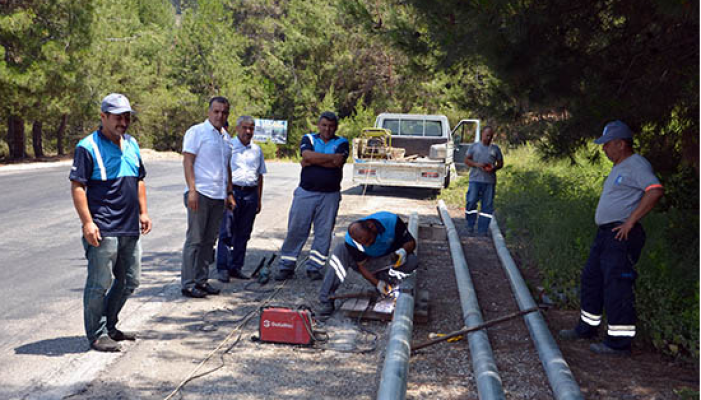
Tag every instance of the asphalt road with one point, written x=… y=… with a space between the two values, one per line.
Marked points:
x=43 y=269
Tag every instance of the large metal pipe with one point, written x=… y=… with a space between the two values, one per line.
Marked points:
x=395 y=369
x=561 y=380
x=485 y=369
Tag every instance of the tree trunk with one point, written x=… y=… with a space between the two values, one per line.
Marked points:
x=59 y=135
x=37 y=139
x=16 y=139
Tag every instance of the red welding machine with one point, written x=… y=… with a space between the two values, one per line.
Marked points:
x=284 y=325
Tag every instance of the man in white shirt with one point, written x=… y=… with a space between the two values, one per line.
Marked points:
x=247 y=168
x=206 y=154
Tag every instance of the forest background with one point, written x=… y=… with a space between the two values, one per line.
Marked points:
x=548 y=73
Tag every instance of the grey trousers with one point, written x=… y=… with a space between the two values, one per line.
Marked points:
x=341 y=262
x=320 y=209
x=202 y=232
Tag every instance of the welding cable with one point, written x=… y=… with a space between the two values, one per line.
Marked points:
x=239 y=328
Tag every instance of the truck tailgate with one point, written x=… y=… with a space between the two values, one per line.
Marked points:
x=409 y=174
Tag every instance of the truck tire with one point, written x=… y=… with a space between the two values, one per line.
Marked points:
x=447 y=180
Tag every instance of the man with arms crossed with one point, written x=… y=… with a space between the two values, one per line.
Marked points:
x=316 y=199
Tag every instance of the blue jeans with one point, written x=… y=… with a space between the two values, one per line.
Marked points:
x=235 y=230
x=104 y=297
x=483 y=192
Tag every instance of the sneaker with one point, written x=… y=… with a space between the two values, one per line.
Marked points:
x=604 y=350
x=119 y=336
x=315 y=275
x=325 y=308
x=207 y=288
x=284 y=274
x=571 y=335
x=223 y=276
x=106 y=344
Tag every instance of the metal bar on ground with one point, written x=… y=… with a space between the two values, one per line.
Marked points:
x=561 y=380
x=486 y=374
x=395 y=369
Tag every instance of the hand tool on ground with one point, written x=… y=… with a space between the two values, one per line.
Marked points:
x=487 y=324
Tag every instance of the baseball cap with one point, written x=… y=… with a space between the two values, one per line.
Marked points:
x=115 y=103
x=329 y=115
x=614 y=130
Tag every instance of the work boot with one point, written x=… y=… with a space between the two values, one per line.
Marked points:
x=325 y=309
x=119 y=336
x=105 y=344
x=571 y=335
x=284 y=274
x=195 y=293
x=315 y=275
x=604 y=350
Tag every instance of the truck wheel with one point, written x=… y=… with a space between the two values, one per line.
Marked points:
x=447 y=181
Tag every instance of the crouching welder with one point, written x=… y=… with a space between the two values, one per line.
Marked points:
x=371 y=245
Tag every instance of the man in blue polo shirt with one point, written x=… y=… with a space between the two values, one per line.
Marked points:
x=316 y=199
x=370 y=246
x=109 y=194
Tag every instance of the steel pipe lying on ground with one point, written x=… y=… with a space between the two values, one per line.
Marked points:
x=486 y=374
x=562 y=382
x=395 y=369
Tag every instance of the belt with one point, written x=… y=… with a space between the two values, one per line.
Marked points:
x=245 y=188
x=610 y=225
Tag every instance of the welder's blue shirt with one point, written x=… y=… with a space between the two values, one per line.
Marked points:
x=316 y=178
x=111 y=175
x=392 y=233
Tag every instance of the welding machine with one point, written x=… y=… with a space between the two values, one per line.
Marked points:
x=285 y=325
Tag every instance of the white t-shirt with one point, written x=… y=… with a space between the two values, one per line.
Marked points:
x=212 y=152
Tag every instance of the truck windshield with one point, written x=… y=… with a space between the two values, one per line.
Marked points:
x=413 y=127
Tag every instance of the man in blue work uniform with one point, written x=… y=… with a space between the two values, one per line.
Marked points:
x=372 y=244
x=316 y=200
x=247 y=169
x=109 y=194
x=485 y=159
x=630 y=191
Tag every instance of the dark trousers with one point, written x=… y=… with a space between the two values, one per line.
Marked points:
x=235 y=230
x=608 y=280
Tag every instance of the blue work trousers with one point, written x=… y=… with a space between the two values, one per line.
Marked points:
x=319 y=209
x=104 y=297
x=235 y=230
x=479 y=192
x=341 y=262
x=607 y=283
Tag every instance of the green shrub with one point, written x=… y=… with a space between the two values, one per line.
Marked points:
x=269 y=149
x=546 y=212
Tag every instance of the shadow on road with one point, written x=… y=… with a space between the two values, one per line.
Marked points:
x=55 y=347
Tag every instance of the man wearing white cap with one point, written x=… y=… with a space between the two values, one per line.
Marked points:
x=109 y=194
x=630 y=191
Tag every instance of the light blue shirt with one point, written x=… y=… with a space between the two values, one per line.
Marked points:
x=246 y=162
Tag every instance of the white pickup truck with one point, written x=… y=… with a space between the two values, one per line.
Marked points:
x=417 y=151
